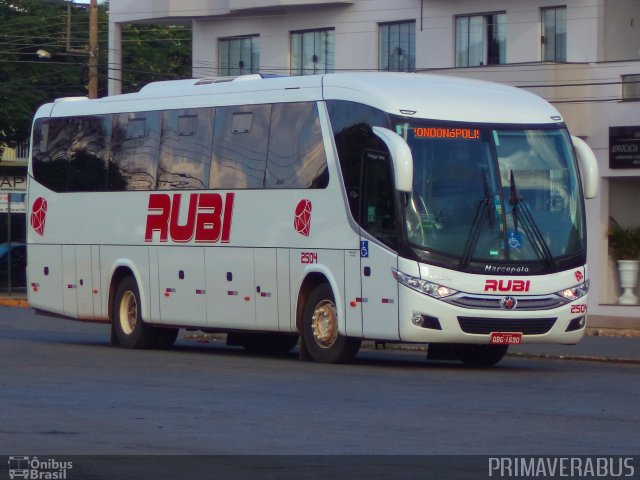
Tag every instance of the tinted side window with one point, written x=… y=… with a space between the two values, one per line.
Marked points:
x=351 y=124
x=240 y=139
x=89 y=153
x=51 y=153
x=39 y=149
x=185 y=149
x=296 y=151
x=135 y=143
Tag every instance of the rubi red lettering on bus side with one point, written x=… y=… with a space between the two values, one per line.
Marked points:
x=182 y=233
x=227 y=217
x=208 y=218
x=209 y=226
x=507 y=285
x=158 y=216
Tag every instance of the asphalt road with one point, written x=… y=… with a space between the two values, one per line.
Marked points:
x=64 y=390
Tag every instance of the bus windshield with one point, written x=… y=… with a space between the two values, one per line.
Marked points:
x=483 y=194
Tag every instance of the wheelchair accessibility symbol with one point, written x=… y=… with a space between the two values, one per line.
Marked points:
x=515 y=240
x=364 y=248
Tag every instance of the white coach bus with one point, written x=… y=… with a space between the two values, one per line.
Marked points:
x=330 y=209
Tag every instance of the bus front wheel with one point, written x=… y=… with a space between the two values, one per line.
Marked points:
x=320 y=333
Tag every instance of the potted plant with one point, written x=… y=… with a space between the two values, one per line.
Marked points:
x=624 y=243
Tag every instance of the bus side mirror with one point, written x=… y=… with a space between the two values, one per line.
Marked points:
x=588 y=167
x=400 y=157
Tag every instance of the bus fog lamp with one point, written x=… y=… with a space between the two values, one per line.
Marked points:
x=576 y=324
x=428 y=288
x=418 y=320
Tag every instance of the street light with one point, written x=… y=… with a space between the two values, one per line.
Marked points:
x=43 y=53
x=91 y=49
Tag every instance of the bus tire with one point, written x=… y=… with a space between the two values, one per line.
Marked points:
x=322 y=341
x=126 y=323
x=480 y=355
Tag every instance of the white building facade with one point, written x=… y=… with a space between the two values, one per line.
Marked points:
x=581 y=55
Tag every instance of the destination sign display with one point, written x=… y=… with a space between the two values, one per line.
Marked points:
x=444 y=132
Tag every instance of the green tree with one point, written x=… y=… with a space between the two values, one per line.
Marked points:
x=150 y=53
x=26 y=81
x=154 y=52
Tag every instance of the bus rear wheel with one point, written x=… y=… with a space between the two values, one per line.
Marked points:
x=128 y=329
x=480 y=355
x=322 y=339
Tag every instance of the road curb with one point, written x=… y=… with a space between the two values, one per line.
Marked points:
x=13 y=302
x=576 y=358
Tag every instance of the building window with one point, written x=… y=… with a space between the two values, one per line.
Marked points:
x=239 y=55
x=312 y=51
x=397 y=47
x=554 y=34
x=481 y=39
x=631 y=87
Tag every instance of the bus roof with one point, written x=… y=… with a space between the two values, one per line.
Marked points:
x=416 y=95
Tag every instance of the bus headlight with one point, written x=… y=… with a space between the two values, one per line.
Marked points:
x=576 y=292
x=428 y=288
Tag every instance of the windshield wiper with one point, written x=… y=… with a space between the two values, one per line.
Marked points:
x=484 y=205
x=520 y=211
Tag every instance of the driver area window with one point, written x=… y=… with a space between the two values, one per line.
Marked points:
x=378 y=211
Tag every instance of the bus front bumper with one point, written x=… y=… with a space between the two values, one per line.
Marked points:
x=423 y=319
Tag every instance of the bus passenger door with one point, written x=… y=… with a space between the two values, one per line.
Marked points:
x=377 y=248
x=379 y=293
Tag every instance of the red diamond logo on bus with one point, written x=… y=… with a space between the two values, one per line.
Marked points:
x=302 y=219
x=39 y=215
x=578 y=275
x=508 y=303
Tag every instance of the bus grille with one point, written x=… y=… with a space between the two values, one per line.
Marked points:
x=526 y=326
x=492 y=302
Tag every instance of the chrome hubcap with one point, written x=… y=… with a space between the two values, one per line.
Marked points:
x=128 y=312
x=325 y=324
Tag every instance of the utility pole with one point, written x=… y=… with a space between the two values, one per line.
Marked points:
x=93 y=49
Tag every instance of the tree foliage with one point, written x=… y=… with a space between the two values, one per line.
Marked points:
x=26 y=81
x=154 y=52
x=150 y=52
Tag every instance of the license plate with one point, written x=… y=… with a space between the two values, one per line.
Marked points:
x=502 y=338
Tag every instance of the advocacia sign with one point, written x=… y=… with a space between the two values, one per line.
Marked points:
x=624 y=147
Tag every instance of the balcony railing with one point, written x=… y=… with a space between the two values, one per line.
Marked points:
x=18 y=154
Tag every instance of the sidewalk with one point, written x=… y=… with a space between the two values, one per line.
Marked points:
x=610 y=344
x=16 y=300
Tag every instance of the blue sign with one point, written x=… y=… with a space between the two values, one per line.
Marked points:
x=364 y=248
x=515 y=240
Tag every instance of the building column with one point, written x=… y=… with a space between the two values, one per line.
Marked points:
x=114 y=71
